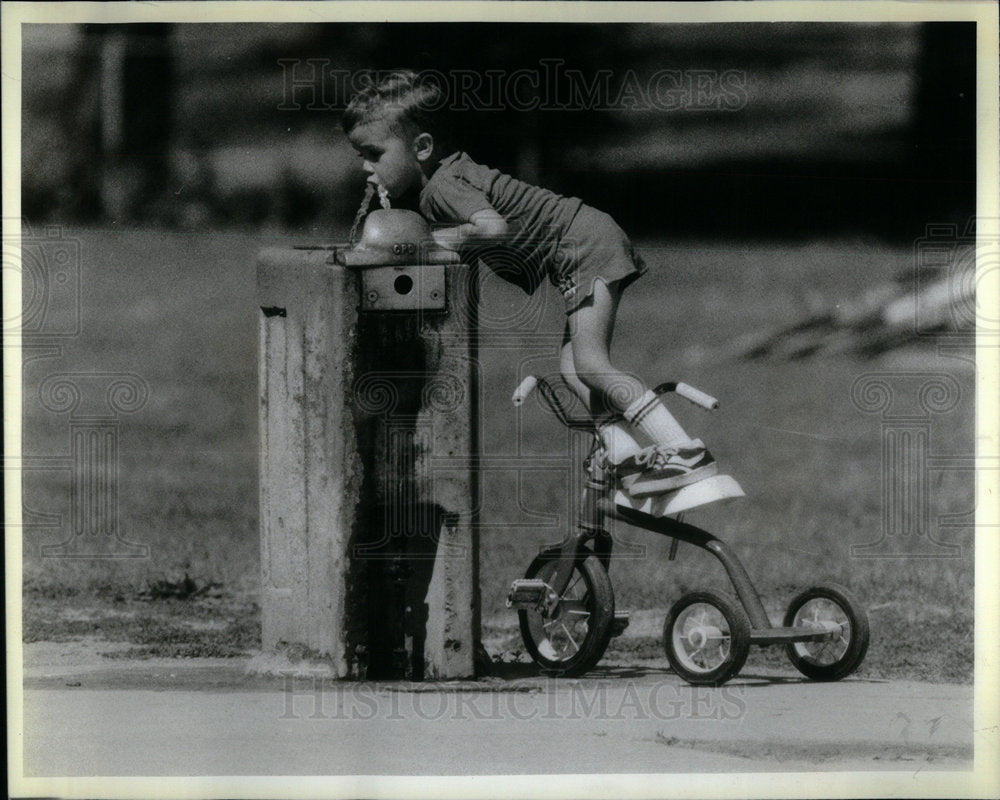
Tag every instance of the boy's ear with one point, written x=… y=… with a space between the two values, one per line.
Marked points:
x=423 y=146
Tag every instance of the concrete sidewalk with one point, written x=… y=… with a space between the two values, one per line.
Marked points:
x=210 y=717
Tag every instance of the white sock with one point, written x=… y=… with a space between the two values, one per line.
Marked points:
x=618 y=441
x=651 y=417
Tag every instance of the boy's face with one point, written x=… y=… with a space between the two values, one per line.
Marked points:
x=390 y=158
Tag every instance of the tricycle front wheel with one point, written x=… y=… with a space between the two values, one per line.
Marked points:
x=833 y=608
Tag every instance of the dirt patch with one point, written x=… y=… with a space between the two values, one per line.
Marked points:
x=144 y=625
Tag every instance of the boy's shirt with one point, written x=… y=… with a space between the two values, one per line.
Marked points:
x=537 y=218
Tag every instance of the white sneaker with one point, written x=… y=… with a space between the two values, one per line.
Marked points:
x=663 y=469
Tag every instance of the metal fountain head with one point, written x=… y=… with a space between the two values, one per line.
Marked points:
x=394 y=236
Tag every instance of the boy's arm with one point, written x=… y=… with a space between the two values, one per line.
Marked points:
x=483 y=226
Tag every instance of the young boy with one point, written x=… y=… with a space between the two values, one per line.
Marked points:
x=404 y=144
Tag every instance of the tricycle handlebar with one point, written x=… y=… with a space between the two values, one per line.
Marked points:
x=528 y=385
x=688 y=392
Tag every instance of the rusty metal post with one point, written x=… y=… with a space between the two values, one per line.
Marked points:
x=368 y=393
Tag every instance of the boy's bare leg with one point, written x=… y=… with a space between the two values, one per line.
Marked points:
x=590 y=329
x=593 y=401
x=619 y=440
x=568 y=370
x=675 y=460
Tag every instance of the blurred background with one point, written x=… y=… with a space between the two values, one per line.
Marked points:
x=818 y=128
x=781 y=189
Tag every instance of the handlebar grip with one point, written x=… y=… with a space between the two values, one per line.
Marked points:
x=696 y=396
x=526 y=387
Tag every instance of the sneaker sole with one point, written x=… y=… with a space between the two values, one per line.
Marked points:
x=640 y=488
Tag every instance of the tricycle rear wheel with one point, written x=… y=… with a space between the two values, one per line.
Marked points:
x=707 y=638
x=573 y=640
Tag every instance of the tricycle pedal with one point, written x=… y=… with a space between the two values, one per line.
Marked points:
x=620 y=624
x=526 y=593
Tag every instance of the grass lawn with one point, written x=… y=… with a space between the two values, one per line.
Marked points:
x=178 y=310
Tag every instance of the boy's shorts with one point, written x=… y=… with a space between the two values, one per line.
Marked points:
x=594 y=247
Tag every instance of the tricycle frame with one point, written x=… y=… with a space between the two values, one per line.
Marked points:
x=597 y=506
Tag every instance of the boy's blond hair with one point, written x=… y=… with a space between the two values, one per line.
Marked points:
x=404 y=98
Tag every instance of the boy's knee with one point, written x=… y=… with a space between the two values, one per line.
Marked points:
x=593 y=368
x=599 y=377
x=620 y=389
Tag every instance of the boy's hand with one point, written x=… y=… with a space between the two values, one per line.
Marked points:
x=483 y=226
x=446 y=238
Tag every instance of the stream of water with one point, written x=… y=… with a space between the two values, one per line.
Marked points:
x=362 y=210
